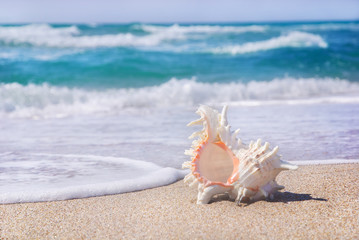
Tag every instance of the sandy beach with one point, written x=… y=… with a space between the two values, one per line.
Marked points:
x=319 y=202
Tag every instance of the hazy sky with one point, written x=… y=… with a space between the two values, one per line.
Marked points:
x=93 y=11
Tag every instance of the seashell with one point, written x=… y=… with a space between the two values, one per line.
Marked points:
x=221 y=163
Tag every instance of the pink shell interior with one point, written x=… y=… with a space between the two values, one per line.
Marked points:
x=215 y=164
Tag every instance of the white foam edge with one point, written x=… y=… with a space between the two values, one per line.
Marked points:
x=314 y=100
x=296 y=39
x=157 y=176
x=154 y=179
x=133 y=162
x=201 y=28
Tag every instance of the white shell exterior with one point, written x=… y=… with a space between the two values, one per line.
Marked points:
x=220 y=163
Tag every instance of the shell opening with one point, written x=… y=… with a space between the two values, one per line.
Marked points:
x=217 y=163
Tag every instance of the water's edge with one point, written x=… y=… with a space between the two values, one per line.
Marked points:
x=170 y=175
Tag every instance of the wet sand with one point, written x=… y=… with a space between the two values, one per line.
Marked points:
x=319 y=201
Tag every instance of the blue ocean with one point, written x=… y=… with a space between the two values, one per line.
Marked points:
x=95 y=109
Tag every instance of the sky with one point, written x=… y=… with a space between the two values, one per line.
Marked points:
x=122 y=11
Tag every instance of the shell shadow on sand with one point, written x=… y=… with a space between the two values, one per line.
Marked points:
x=284 y=197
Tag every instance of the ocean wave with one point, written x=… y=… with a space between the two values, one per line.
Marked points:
x=8 y=55
x=69 y=37
x=39 y=55
x=211 y=29
x=175 y=28
x=44 y=35
x=28 y=178
x=330 y=27
x=293 y=39
x=31 y=30
x=45 y=101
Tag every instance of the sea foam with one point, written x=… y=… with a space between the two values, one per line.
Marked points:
x=50 y=177
x=44 y=35
x=69 y=37
x=46 y=101
x=293 y=39
x=175 y=28
x=330 y=27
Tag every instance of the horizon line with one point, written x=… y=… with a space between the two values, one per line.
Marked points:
x=184 y=22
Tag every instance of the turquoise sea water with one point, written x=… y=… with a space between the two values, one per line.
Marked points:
x=137 y=55
x=103 y=108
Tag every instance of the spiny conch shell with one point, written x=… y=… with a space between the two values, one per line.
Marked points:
x=220 y=163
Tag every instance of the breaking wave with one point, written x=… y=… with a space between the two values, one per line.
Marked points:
x=44 y=55
x=293 y=39
x=175 y=28
x=62 y=37
x=330 y=27
x=44 y=35
x=184 y=29
x=46 y=101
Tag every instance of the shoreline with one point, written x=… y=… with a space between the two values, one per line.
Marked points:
x=319 y=201
x=121 y=187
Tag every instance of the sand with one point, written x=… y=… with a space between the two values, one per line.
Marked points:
x=319 y=201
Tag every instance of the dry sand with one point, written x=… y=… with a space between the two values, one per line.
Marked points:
x=320 y=202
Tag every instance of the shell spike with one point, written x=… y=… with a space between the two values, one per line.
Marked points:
x=265 y=147
x=195 y=134
x=235 y=135
x=276 y=185
x=224 y=121
x=287 y=166
x=186 y=164
x=189 y=178
x=194 y=183
x=189 y=152
x=274 y=151
x=196 y=122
